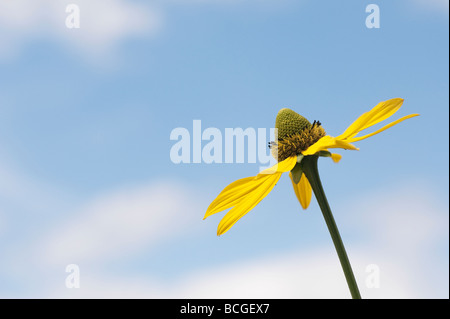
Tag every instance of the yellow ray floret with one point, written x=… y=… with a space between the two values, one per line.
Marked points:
x=302 y=190
x=246 y=193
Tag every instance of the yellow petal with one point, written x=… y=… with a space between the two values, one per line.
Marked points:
x=302 y=190
x=232 y=194
x=379 y=113
x=383 y=111
x=336 y=157
x=248 y=203
x=327 y=142
x=238 y=190
x=281 y=167
x=356 y=139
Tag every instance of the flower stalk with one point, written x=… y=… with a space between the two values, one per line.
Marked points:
x=309 y=165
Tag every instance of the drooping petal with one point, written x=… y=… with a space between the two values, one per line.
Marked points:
x=232 y=194
x=302 y=190
x=281 y=167
x=248 y=203
x=239 y=190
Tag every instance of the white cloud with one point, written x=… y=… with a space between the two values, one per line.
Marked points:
x=407 y=216
x=19 y=189
x=402 y=226
x=300 y=275
x=103 y=24
x=296 y=275
x=400 y=229
x=122 y=223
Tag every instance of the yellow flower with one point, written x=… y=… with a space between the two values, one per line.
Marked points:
x=297 y=138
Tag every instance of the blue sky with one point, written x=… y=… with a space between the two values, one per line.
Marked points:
x=85 y=171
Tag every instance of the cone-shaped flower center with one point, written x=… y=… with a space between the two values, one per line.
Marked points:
x=295 y=134
x=290 y=123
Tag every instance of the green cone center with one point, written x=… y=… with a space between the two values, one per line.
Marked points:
x=290 y=123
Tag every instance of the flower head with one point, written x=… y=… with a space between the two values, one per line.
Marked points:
x=295 y=134
x=297 y=138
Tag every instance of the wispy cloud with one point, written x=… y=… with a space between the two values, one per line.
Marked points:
x=121 y=223
x=399 y=229
x=24 y=192
x=297 y=274
x=104 y=24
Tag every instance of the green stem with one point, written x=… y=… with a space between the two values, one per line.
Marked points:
x=312 y=173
